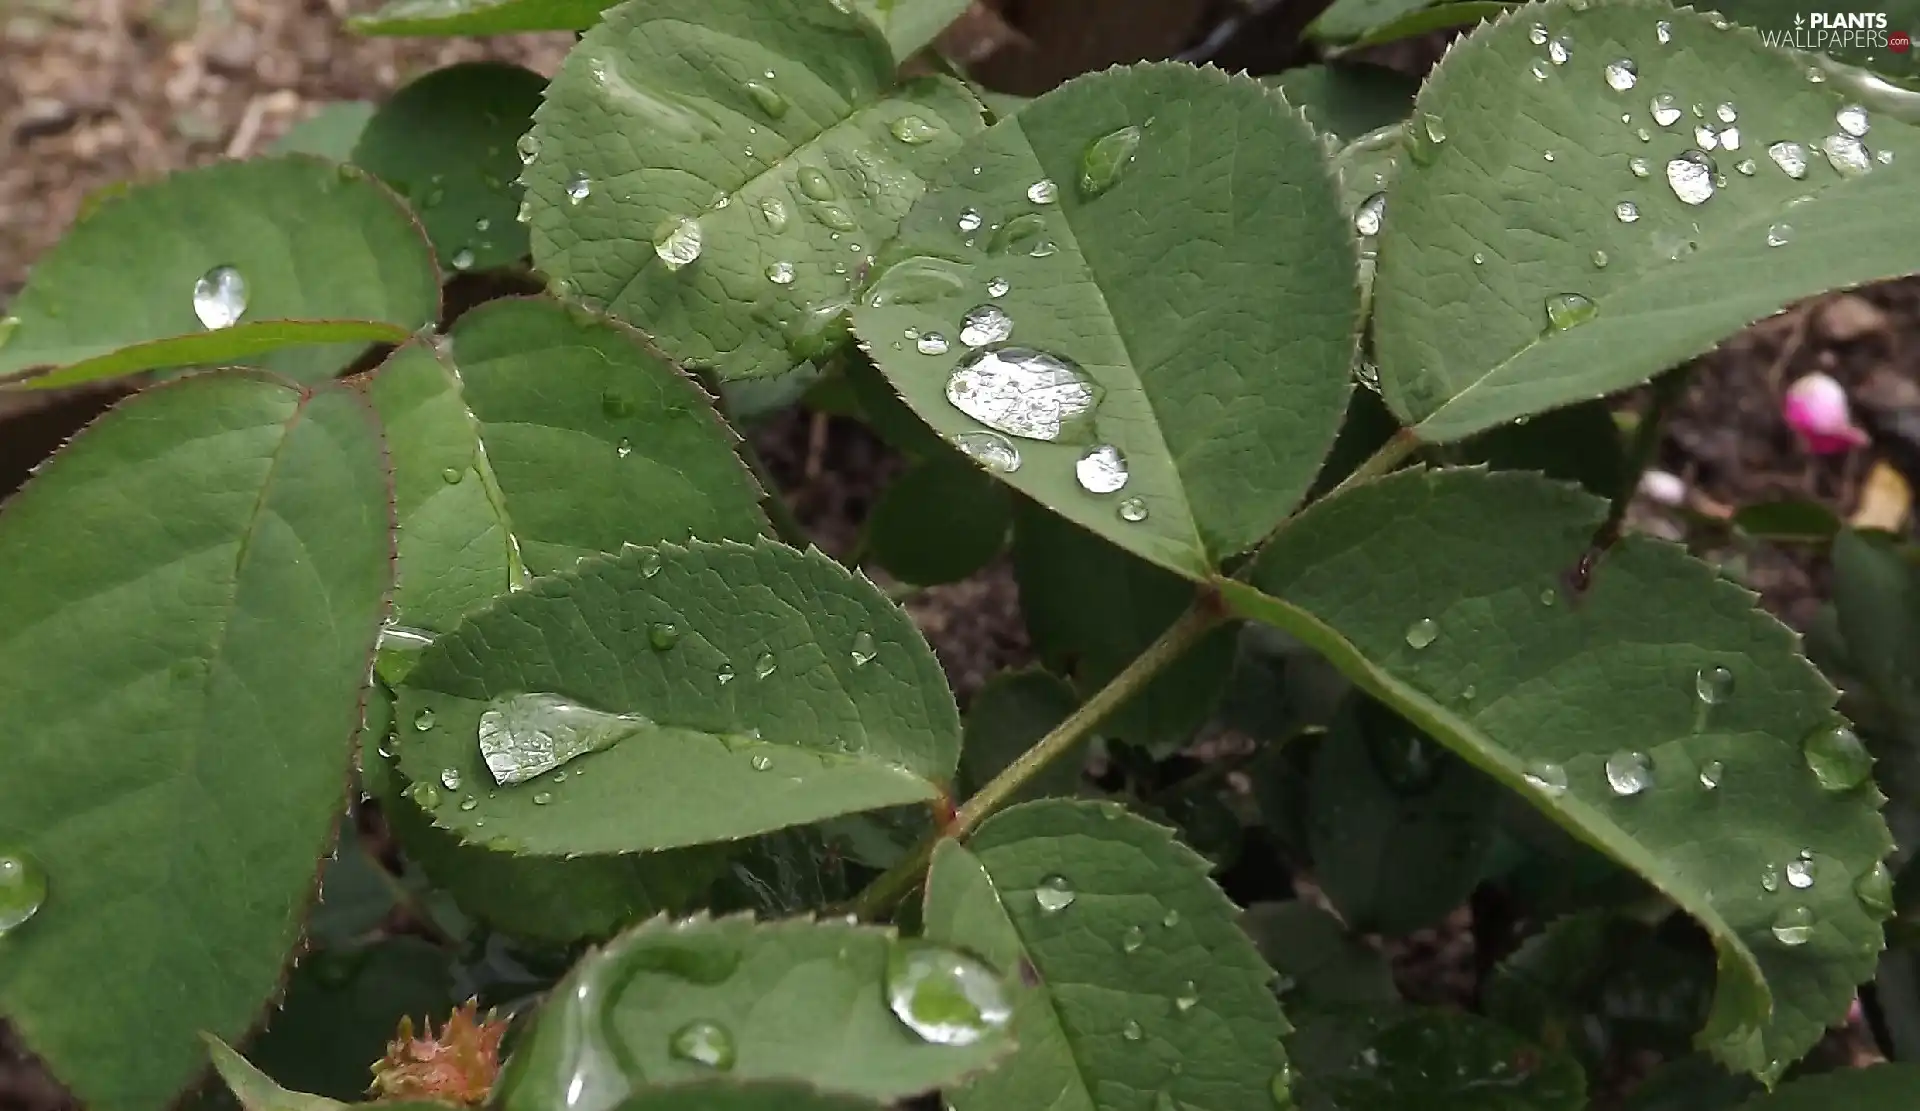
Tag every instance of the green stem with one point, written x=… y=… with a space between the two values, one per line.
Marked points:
x=1668 y=389
x=1389 y=455
x=887 y=891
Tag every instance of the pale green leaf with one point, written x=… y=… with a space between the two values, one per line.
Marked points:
x=1438 y=17
x=1464 y=348
x=763 y=688
x=1884 y=1087
x=720 y=173
x=1144 y=990
x=1346 y=20
x=478 y=17
x=255 y=1090
x=911 y=24
x=446 y=143
x=196 y=582
x=1563 y=683
x=330 y=132
x=793 y=1000
x=1203 y=285
x=329 y=260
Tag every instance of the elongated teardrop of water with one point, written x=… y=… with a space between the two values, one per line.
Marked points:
x=1371 y=215
x=1838 y=759
x=1106 y=159
x=917 y=280
x=678 y=242
x=990 y=449
x=398 y=650
x=944 y=996
x=526 y=735
x=704 y=1043
x=220 y=297
x=1017 y=232
x=1023 y=392
x=815 y=184
x=23 y=888
x=1846 y=154
x=774 y=211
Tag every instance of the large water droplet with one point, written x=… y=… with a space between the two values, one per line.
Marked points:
x=23 y=888
x=1840 y=762
x=913 y=130
x=220 y=297
x=1106 y=159
x=1023 y=392
x=990 y=449
x=1793 y=926
x=815 y=183
x=1422 y=633
x=1133 y=510
x=1626 y=212
x=943 y=995
x=527 y=735
x=703 y=1043
x=1852 y=120
x=1790 y=157
x=970 y=220
x=933 y=343
x=985 y=324
x=1372 y=212
x=1101 y=470
x=1691 y=177
x=1874 y=889
x=579 y=187
x=1712 y=685
x=1043 y=191
x=1054 y=894
x=1629 y=773
x=774 y=211
x=1665 y=112
x=1711 y=773
x=1800 y=871
x=1548 y=779
x=864 y=649
x=916 y=280
x=1622 y=75
x=678 y=241
x=1846 y=155
x=1570 y=310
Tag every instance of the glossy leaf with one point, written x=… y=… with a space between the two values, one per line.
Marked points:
x=1349 y=19
x=1144 y=983
x=446 y=143
x=208 y=661
x=330 y=262
x=719 y=173
x=478 y=17
x=1007 y=717
x=1436 y=17
x=1461 y=585
x=1580 y=296
x=763 y=688
x=794 y=1000
x=939 y=522
x=1159 y=281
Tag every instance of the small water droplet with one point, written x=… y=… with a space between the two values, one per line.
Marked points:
x=1106 y=159
x=528 y=146
x=1800 y=871
x=933 y=343
x=1559 y=50
x=1725 y=113
x=1043 y=191
x=970 y=220
x=1549 y=596
x=1629 y=773
x=1133 y=510
x=1479 y=259
x=1874 y=889
x=1711 y=773
x=1131 y=1031
x=760 y=762
x=1170 y=919
x=423 y=720
x=835 y=217
x=765 y=665
x=1691 y=177
x=703 y=1043
x=624 y=448
x=482 y=224
x=1790 y=157
x=1770 y=878
x=579 y=187
x=1663 y=31
x=1372 y=212
x=1600 y=260
x=1539 y=69
x=1537 y=35
x=1884 y=157
x=426 y=794
x=1644 y=135
x=452 y=475
x=985 y=324
x=650 y=565
x=780 y=273
x=542 y=798
x=1745 y=166
x=1712 y=685
x=725 y=674
x=815 y=184
x=1626 y=212
x=1189 y=997
x=864 y=649
x=462 y=259
x=1838 y=758
x=1793 y=926
x=1622 y=75
x=524 y=214
x=1549 y=779
x=990 y=449
x=913 y=131
x=998 y=287
x=469 y=803
x=220 y=297
x=1779 y=235
x=23 y=888
x=774 y=211
x=943 y=995
x=663 y=635
x=1054 y=894
x=1846 y=155
x=1665 y=112
x=1132 y=939
x=1729 y=138
x=1548 y=155
x=1570 y=310
x=1852 y=120
x=450 y=778
x=1422 y=633
x=1102 y=470
x=1704 y=136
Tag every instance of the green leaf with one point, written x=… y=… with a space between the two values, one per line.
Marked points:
x=1579 y=444
x=1007 y=717
x=1677 y=276
x=329 y=262
x=1144 y=982
x=356 y=893
x=1876 y=595
x=446 y=143
x=1091 y=609
x=794 y=1000
x=729 y=213
x=734 y=1095
x=1788 y=521
x=939 y=522
x=255 y=1089
x=1890 y=1085
x=1324 y=965
x=1346 y=20
x=329 y=133
x=1438 y=17
x=912 y=24
x=1445 y=1061
x=195 y=585
x=1398 y=827
x=761 y=688
x=478 y=17
x=1692 y=1083
x=1159 y=282
x=1347 y=100
x=1425 y=584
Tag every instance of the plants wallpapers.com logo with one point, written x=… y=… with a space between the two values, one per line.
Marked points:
x=1824 y=31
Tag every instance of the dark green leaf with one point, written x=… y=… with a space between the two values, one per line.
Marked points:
x=1346 y=20
x=255 y=1089
x=1006 y=718
x=1348 y=99
x=1320 y=963
x=1876 y=594
x=939 y=522
x=1693 y=1083
x=1579 y=444
x=1788 y=520
x=195 y=585
x=1885 y=1086
x=1442 y=1061
x=356 y=894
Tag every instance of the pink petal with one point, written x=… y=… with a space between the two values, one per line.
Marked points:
x=1816 y=409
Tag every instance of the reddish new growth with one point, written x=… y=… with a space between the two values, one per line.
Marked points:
x=457 y=1066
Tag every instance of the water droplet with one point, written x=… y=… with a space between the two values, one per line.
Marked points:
x=1800 y=871
x=1770 y=878
x=1793 y=926
x=1371 y=213
x=450 y=778
x=1189 y=996
x=523 y=736
x=1846 y=155
x=1852 y=120
x=1537 y=35
x=1884 y=157
x=1131 y=1031
x=1422 y=633
x=23 y=888
x=970 y=220
x=944 y=996
x=1711 y=773
x=1663 y=31
x=1779 y=235
x=649 y=565
x=462 y=259
x=423 y=720
x=1479 y=259
x=765 y=665
x=1874 y=889
x=1745 y=166
x=542 y=798
x=1730 y=138
x=1570 y=310
x=1629 y=773
x=835 y=217
x=524 y=214
x=1132 y=939
x=780 y=273
x=1712 y=685
x=1600 y=260
x=703 y=1043
x=1644 y=135
x=760 y=762
x=913 y=131
x=426 y=794
x=1539 y=70
x=1054 y=894
x=1622 y=75
x=1043 y=191
x=1626 y=212
x=1043 y=249
x=1106 y=159
x=990 y=449
x=815 y=183
x=985 y=324
x=1102 y=470
x=1133 y=510
x=1815 y=77
x=1665 y=111
x=1704 y=136
x=528 y=146
x=1559 y=50
x=677 y=241
x=998 y=287
x=1549 y=779
x=1790 y=157
x=1548 y=155
x=8 y=325
x=469 y=803
x=1021 y=229
x=933 y=343
x=774 y=211
x=1549 y=596
x=482 y=224
x=663 y=635
x=864 y=649
x=767 y=98
x=220 y=297
x=1023 y=392
x=1691 y=177
x=578 y=188
x=1838 y=759
x=1725 y=113
x=917 y=280
x=624 y=448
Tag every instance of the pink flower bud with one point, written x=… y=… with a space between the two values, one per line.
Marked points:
x=1816 y=409
x=1663 y=487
